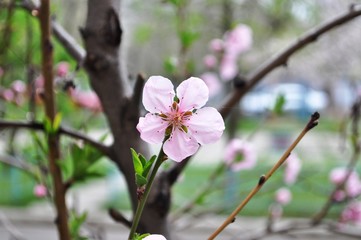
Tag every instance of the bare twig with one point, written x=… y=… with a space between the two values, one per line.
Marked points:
x=281 y=58
x=16 y=162
x=53 y=139
x=69 y=43
x=62 y=130
x=118 y=217
x=355 y=116
x=263 y=179
x=277 y=60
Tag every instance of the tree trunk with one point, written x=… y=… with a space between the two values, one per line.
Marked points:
x=102 y=36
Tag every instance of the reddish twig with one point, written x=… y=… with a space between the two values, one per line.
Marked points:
x=53 y=139
x=263 y=179
x=277 y=60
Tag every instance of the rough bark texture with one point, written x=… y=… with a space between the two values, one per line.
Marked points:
x=102 y=36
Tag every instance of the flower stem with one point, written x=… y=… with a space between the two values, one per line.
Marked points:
x=143 y=200
x=232 y=217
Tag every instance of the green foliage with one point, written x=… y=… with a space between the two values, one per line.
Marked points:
x=140 y=236
x=279 y=105
x=75 y=223
x=188 y=37
x=52 y=127
x=142 y=167
x=79 y=165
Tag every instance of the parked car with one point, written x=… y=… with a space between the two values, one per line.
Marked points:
x=300 y=99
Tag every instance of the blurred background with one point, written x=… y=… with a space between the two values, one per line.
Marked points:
x=324 y=77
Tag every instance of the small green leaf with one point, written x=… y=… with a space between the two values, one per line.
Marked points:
x=140 y=180
x=279 y=105
x=138 y=167
x=56 y=122
x=142 y=160
x=148 y=166
x=47 y=125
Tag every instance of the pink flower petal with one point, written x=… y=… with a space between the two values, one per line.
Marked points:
x=293 y=168
x=234 y=148
x=152 y=128
x=180 y=145
x=192 y=93
x=155 y=237
x=283 y=196
x=206 y=125
x=158 y=94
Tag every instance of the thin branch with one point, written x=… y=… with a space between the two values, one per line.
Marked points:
x=263 y=179
x=281 y=58
x=62 y=130
x=277 y=60
x=18 y=163
x=50 y=111
x=69 y=43
x=118 y=217
x=355 y=116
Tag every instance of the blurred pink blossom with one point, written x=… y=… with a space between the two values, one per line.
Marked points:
x=210 y=61
x=238 y=40
x=7 y=94
x=88 y=100
x=212 y=82
x=339 y=196
x=18 y=86
x=352 y=186
x=216 y=45
x=352 y=213
x=180 y=115
x=228 y=68
x=155 y=237
x=293 y=168
x=62 y=69
x=40 y=191
x=240 y=155
x=283 y=196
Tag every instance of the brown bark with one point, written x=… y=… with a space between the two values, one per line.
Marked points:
x=53 y=139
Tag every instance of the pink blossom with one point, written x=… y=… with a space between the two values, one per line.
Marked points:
x=8 y=95
x=18 y=86
x=179 y=116
x=40 y=191
x=228 y=68
x=216 y=45
x=352 y=186
x=210 y=61
x=212 y=82
x=240 y=155
x=283 y=196
x=339 y=196
x=62 y=69
x=238 y=40
x=88 y=100
x=293 y=168
x=352 y=213
x=155 y=237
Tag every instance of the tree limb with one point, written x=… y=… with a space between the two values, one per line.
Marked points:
x=62 y=130
x=268 y=66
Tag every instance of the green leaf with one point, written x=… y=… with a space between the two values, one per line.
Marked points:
x=140 y=180
x=279 y=105
x=188 y=37
x=142 y=160
x=148 y=166
x=138 y=167
x=47 y=125
x=57 y=122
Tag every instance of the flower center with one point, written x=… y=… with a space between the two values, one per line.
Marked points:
x=176 y=118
